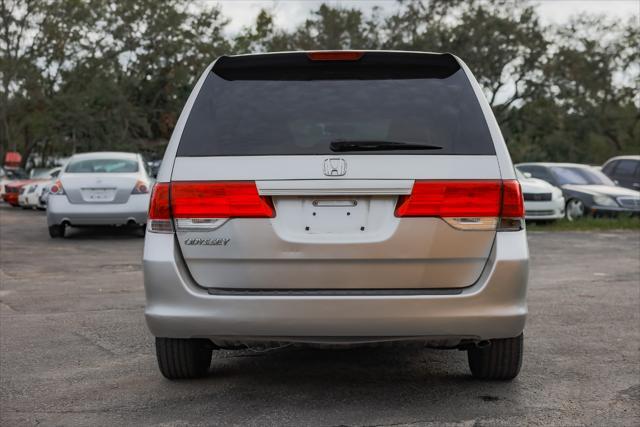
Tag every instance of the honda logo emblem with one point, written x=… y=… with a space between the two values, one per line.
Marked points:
x=335 y=167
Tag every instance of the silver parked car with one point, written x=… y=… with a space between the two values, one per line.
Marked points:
x=336 y=198
x=99 y=189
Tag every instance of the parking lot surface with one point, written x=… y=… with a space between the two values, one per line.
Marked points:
x=74 y=348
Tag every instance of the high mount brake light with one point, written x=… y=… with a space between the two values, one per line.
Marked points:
x=205 y=205
x=467 y=205
x=335 y=55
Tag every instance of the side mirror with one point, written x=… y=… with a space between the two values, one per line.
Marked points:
x=527 y=174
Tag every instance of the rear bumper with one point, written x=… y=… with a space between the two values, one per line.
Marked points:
x=59 y=210
x=494 y=307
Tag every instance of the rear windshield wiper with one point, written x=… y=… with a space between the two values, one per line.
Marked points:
x=366 y=145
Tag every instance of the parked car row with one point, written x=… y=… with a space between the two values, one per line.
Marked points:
x=585 y=189
x=97 y=186
x=17 y=185
x=105 y=188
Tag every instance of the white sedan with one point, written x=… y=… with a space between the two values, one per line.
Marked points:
x=542 y=201
x=33 y=195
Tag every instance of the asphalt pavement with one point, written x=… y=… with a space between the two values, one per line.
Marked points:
x=74 y=348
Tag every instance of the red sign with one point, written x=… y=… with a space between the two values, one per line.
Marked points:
x=12 y=158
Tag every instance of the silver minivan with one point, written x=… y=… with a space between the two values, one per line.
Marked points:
x=336 y=198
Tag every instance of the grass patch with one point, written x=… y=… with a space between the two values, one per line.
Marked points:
x=588 y=224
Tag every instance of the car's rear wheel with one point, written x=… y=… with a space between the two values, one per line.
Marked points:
x=575 y=209
x=500 y=360
x=183 y=358
x=56 y=231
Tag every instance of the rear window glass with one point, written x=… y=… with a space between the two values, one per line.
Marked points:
x=102 y=166
x=626 y=167
x=301 y=111
x=580 y=176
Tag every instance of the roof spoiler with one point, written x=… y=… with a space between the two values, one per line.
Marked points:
x=337 y=65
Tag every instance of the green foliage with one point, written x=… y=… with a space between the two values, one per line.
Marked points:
x=93 y=75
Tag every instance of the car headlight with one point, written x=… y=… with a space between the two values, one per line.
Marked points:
x=604 y=201
x=556 y=193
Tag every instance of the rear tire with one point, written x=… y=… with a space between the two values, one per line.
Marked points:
x=56 y=231
x=501 y=360
x=183 y=358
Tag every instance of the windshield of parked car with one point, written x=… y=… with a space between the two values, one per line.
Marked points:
x=102 y=166
x=579 y=176
x=38 y=173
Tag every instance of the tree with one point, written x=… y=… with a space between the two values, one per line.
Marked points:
x=501 y=41
x=80 y=75
x=588 y=110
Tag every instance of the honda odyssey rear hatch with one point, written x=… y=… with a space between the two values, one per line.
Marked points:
x=335 y=171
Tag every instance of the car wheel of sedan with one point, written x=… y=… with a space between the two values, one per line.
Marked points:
x=183 y=358
x=56 y=231
x=500 y=360
x=574 y=210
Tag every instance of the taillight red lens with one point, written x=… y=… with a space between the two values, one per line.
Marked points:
x=159 y=208
x=56 y=188
x=140 y=188
x=336 y=55
x=512 y=201
x=225 y=199
x=452 y=199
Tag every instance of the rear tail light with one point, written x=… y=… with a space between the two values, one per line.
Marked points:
x=56 y=188
x=512 y=209
x=160 y=209
x=335 y=55
x=466 y=205
x=140 y=188
x=205 y=205
x=227 y=199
